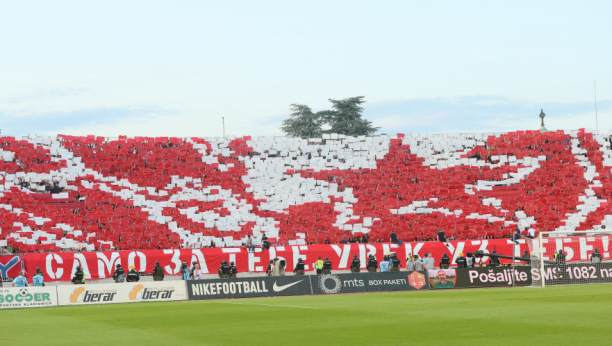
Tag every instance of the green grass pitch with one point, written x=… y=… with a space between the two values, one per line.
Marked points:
x=562 y=315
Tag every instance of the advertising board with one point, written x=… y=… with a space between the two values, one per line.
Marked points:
x=27 y=297
x=127 y=292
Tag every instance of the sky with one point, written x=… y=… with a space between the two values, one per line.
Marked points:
x=159 y=68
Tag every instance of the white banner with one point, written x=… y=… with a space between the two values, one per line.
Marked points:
x=127 y=292
x=27 y=297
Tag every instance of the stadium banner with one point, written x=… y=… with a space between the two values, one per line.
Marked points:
x=27 y=297
x=128 y=292
x=479 y=277
x=583 y=273
x=249 y=287
x=10 y=266
x=100 y=264
x=369 y=282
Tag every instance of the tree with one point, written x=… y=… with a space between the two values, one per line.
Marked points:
x=303 y=122
x=345 y=118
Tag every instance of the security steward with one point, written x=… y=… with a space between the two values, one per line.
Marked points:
x=396 y=263
x=461 y=261
x=79 y=276
x=494 y=261
x=37 y=279
x=355 y=264
x=233 y=270
x=526 y=256
x=372 y=264
x=319 y=266
x=158 y=272
x=444 y=261
x=299 y=267
x=327 y=266
x=132 y=275
x=224 y=270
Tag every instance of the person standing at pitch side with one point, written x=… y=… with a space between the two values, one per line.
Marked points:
x=355 y=264
x=327 y=266
x=319 y=266
x=372 y=264
x=299 y=267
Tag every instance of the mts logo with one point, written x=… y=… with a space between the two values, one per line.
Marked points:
x=416 y=280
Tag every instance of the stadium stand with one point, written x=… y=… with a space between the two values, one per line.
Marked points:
x=166 y=192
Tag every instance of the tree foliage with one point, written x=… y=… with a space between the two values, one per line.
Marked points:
x=303 y=122
x=344 y=118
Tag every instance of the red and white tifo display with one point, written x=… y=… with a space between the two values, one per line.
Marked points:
x=160 y=193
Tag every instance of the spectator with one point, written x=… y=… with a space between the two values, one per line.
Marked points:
x=532 y=232
x=249 y=244
x=418 y=265
x=429 y=261
x=197 y=272
x=393 y=238
x=365 y=239
x=517 y=235
x=265 y=244
x=132 y=275
x=441 y=236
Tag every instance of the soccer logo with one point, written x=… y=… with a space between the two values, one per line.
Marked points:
x=24 y=291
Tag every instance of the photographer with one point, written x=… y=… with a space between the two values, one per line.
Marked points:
x=279 y=268
x=184 y=271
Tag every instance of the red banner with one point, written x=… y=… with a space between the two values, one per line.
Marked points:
x=100 y=265
x=10 y=266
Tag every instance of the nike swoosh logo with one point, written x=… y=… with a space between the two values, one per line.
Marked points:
x=282 y=288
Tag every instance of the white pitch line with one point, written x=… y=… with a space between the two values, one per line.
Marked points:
x=284 y=306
